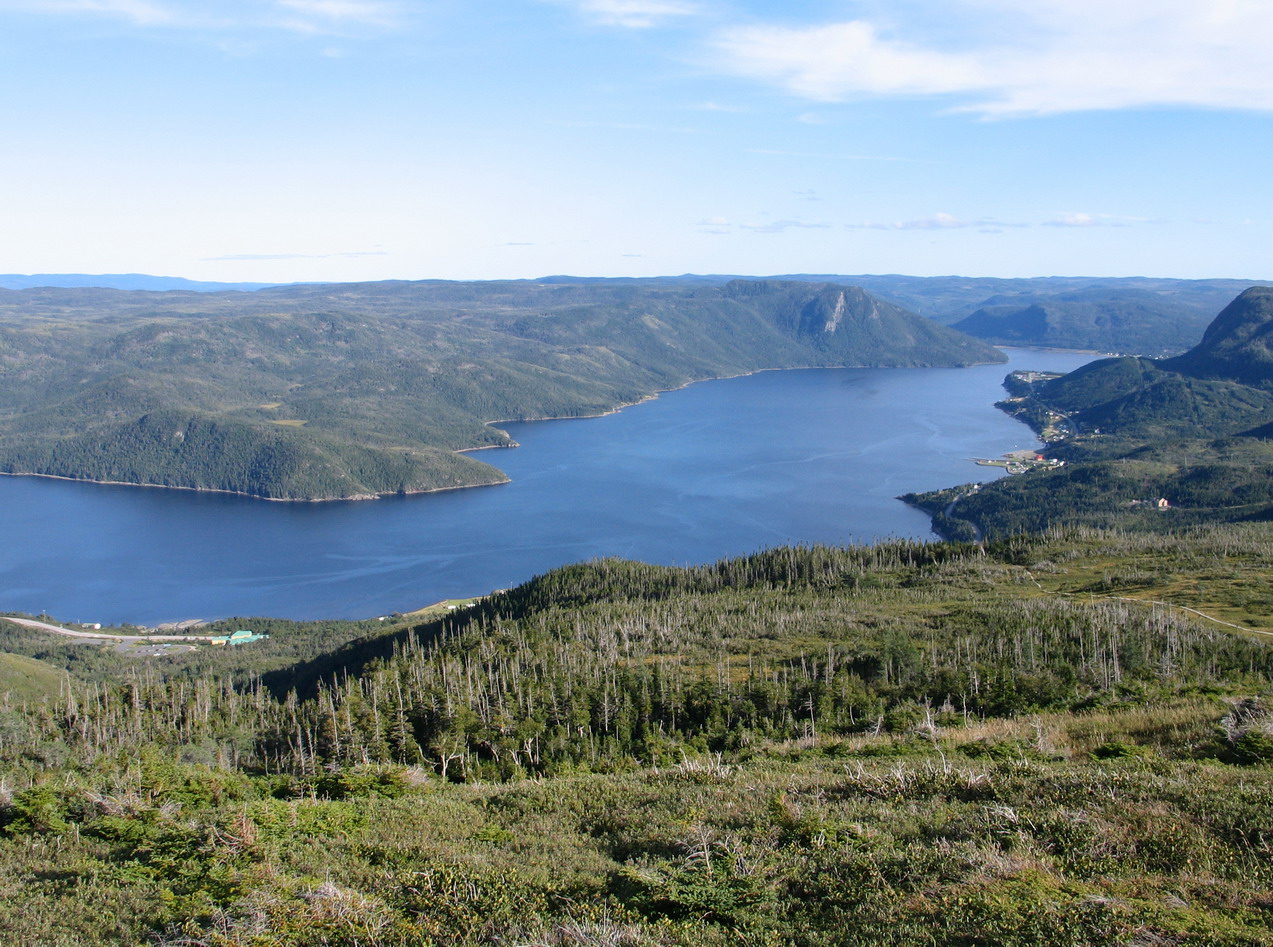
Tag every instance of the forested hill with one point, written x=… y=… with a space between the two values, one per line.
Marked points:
x=869 y=747
x=1100 y=318
x=1192 y=431
x=314 y=392
x=1238 y=345
x=1145 y=315
x=1223 y=385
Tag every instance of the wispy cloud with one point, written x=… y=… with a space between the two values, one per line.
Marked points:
x=781 y=226
x=633 y=14
x=241 y=257
x=944 y=221
x=141 y=12
x=367 y=10
x=721 y=225
x=323 y=15
x=829 y=156
x=718 y=107
x=1092 y=220
x=715 y=225
x=227 y=16
x=1049 y=56
x=938 y=221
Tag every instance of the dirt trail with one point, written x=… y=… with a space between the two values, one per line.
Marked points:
x=99 y=635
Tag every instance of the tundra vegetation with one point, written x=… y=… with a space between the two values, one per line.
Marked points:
x=1027 y=742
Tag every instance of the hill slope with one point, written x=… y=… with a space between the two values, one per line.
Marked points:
x=1192 y=431
x=872 y=747
x=313 y=392
x=23 y=678
x=1118 y=320
x=1238 y=345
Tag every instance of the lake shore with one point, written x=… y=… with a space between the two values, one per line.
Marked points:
x=358 y=497
x=771 y=458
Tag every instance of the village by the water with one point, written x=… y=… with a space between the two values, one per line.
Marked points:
x=1019 y=461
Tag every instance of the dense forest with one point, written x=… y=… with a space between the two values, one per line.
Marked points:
x=317 y=392
x=1036 y=740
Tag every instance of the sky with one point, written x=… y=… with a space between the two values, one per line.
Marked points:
x=293 y=140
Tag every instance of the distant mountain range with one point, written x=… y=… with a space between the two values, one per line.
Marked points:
x=1110 y=319
x=1131 y=315
x=120 y=281
x=363 y=389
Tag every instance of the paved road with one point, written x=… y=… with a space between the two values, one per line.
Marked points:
x=99 y=635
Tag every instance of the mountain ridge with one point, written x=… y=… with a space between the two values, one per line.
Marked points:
x=354 y=390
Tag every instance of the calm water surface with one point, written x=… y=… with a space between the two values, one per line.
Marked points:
x=717 y=469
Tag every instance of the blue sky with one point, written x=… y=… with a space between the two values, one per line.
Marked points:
x=282 y=140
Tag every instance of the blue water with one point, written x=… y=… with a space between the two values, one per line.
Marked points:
x=717 y=469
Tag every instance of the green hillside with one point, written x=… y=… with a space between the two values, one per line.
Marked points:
x=1062 y=737
x=23 y=678
x=315 y=392
x=1099 y=318
x=1192 y=431
x=1238 y=345
x=903 y=744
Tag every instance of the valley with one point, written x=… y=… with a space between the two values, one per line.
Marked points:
x=1060 y=732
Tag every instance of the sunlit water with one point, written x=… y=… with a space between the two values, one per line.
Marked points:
x=717 y=469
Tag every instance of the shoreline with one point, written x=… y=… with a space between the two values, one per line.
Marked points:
x=359 y=497
x=356 y=498
x=936 y=534
x=653 y=396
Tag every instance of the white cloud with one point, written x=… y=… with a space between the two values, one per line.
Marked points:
x=1045 y=57
x=634 y=14
x=1072 y=220
x=938 y=221
x=371 y=12
x=1092 y=220
x=142 y=12
x=781 y=226
x=830 y=63
x=226 y=16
